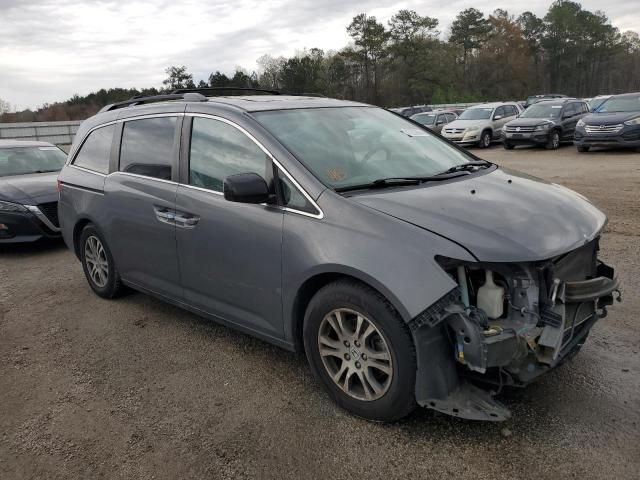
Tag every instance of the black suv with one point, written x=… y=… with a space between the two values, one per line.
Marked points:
x=615 y=124
x=546 y=123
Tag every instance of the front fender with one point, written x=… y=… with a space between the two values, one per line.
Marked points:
x=392 y=256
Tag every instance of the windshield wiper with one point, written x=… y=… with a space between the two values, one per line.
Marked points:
x=399 y=181
x=467 y=166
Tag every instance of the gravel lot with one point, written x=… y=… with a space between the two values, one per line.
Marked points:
x=135 y=388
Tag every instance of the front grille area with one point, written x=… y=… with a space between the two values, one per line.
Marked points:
x=521 y=129
x=50 y=210
x=454 y=131
x=603 y=128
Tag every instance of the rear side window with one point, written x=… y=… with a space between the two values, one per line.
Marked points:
x=219 y=150
x=147 y=147
x=96 y=150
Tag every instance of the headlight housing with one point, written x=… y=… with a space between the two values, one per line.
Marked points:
x=472 y=129
x=11 y=207
x=580 y=123
x=633 y=121
x=543 y=127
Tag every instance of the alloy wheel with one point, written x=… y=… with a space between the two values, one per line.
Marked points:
x=355 y=354
x=95 y=258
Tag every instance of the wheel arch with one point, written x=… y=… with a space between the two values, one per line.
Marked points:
x=312 y=284
x=77 y=231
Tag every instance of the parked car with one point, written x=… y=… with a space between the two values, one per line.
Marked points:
x=28 y=190
x=434 y=120
x=405 y=268
x=616 y=123
x=547 y=123
x=482 y=124
x=533 y=99
x=596 y=102
x=408 y=111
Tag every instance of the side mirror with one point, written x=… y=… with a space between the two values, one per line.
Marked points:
x=498 y=117
x=246 y=188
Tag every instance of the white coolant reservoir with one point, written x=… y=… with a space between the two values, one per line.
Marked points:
x=491 y=297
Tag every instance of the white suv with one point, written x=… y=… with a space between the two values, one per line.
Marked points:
x=481 y=124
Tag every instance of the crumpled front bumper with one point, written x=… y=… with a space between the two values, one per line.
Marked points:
x=458 y=357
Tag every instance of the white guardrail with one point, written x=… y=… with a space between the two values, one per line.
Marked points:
x=58 y=133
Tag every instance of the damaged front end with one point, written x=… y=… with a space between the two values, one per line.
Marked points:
x=506 y=324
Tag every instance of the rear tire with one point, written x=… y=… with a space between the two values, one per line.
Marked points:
x=485 y=139
x=582 y=149
x=98 y=264
x=374 y=372
x=553 y=143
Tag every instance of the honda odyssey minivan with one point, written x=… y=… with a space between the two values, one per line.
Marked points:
x=409 y=271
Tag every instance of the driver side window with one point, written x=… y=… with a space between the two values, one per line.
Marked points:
x=499 y=112
x=219 y=150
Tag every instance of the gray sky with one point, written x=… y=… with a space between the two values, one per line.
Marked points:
x=51 y=49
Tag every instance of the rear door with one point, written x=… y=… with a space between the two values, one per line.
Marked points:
x=141 y=199
x=230 y=253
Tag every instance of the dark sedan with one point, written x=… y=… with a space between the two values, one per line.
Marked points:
x=28 y=190
x=615 y=124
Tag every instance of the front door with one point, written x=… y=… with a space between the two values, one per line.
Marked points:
x=229 y=253
x=140 y=197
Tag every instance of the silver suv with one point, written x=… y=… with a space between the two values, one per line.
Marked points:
x=408 y=270
x=482 y=124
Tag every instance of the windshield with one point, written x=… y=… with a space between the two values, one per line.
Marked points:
x=621 y=104
x=595 y=103
x=425 y=118
x=349 y=146
x=541 y=110
x=23 y=160
x=476 y=114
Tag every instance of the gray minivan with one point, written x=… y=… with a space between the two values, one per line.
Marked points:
x=409 y=271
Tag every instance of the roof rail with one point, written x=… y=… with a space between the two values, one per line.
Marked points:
x=139 y=100
x=212 y=91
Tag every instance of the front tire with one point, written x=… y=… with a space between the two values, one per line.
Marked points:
x=485 y=139
x=361 y=351
x=582 y=149
x=508 y=146
x=553 y=143
x=98 y=264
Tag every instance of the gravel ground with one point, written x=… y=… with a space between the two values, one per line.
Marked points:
x=135 y=388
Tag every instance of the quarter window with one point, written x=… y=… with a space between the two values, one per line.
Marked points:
x=96 y=150
x=219 y=150
x=293 y=198
x=147 y=147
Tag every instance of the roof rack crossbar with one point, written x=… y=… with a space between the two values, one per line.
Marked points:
x=140 y=99
x=214 y=90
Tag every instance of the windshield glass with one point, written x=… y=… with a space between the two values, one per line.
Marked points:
x=23 y=160
x=425 y=118
x=621 y=104
x=542 y=110
x=476 y=114
x=595 y=103
x=349 y=146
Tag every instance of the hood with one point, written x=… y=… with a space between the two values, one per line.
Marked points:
x=529 y=122
x=467 y=123
x=30 y=189
x=501 y=216
x=610 y=118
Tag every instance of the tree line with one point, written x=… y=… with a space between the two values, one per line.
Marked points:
x=408 y=61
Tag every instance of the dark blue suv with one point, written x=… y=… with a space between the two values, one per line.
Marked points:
x=616 y=123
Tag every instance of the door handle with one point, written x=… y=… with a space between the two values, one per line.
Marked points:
x=165 y=215
x=186 y=220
